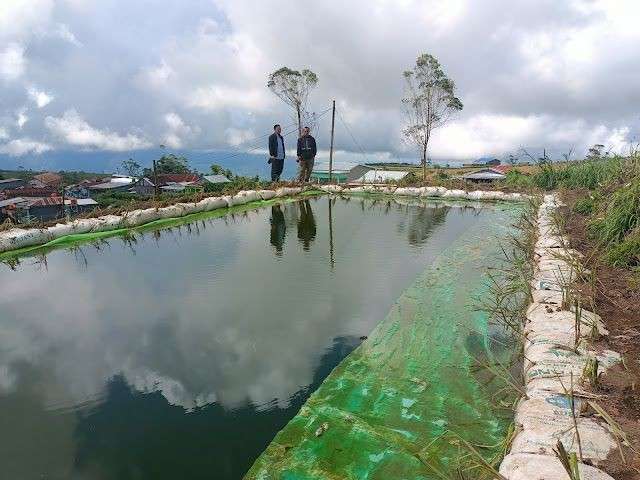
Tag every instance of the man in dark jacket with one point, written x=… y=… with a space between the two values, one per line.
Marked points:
x=276 y=153
x=306 y=155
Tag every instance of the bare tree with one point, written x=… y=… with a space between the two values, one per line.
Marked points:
x=429 y=102
x=293 y=88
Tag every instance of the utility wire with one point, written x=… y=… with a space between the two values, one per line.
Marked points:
x=346 y=127
x=257 y=146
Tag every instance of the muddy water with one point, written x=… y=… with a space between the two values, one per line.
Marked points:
x=181 y=354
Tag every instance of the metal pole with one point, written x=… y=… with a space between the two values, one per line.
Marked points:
x=333 y=124
x=332 y=261
x=155 y=181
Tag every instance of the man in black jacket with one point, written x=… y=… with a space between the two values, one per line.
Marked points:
x=276 y=153
x=306 y=155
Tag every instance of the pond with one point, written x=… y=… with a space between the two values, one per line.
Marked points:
x=181 y=353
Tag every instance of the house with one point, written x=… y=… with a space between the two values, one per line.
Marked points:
x=382 y=176
x=357 y=172
x=320 y=174
x=28 y=192
x=484 y=175
x=116 y=183
x=47 y=179
x=171 y=178
x=179 y=182
x=50 y=208
x=483 y=162
x=143 y=187
x=502 y=168
x=44 y=209
x=11 y=183
x=180 y=187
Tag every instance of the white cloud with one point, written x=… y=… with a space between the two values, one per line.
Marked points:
x=21 y=118
x=501 y=134
x=62 y=31
x=177 y=130
x=12 y=62
x=4 y=134
x=74 y=130
x=20 y=18
x=39 y=97
x=237 y=136
x=157 y=76
x=216 y=97
x=23 y=146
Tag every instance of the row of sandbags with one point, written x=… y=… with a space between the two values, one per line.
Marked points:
x=553 y=365
x=427 y=192
x=17 y=238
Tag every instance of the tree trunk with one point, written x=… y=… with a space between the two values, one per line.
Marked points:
x=424 y=163
x=299 y=121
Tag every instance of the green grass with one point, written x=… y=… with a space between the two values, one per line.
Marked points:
x=618 y=215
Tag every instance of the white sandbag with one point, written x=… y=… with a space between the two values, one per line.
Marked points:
x=515 y=197
x=526 y=466
x=354 y=190
x=106 y=223
x=83 y=225
x=20 y=238
x=432 y=191
x=239 y=200
x=60 y=230
x=288 y=191
x=228 y=199
x=140 y=217
x=214 y=203
x=249 y=195
x=544 y=421
x=388 y=190
x=457 y=194
x=550 y=297
x=172 y=211
x=476 y=195
x=269 y=194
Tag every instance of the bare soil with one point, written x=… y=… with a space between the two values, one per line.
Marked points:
x=616 y=296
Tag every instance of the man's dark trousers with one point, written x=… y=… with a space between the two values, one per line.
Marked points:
x=277 y=164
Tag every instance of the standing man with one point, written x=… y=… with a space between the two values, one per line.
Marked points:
x=276 y=153
x=306 y=155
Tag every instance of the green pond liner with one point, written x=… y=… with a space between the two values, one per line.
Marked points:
x=385 y=410
x=69 y=241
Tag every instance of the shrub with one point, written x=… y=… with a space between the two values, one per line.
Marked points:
x=585 y=206
x=519 y=180
x=620 y=215
x=626 y=253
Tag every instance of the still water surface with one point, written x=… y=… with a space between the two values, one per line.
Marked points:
x=182 y=353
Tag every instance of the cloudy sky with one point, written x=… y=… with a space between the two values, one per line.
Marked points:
x=125 y=75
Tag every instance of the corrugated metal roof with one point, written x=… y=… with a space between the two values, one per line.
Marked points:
x=49 y=177
x=216 y=178
x=9 y=180
x=13 y=201
x=484 y=175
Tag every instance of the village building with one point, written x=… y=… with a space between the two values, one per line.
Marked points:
x=47 y=179
x=12 y=183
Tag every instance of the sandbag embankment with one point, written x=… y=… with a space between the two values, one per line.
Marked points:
x=426 y=192
x=557 y=352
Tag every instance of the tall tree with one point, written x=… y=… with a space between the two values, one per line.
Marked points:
x=170 y=164
x=293 y=88
x=131 y=167
x=429 y=102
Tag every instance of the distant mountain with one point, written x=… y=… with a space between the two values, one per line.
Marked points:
x=110 y=162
